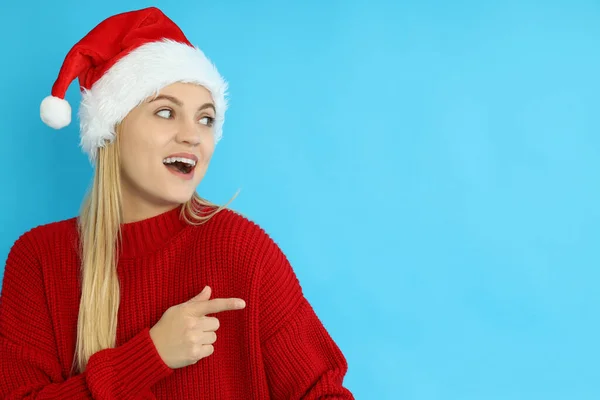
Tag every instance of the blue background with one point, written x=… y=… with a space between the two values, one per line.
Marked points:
x=430 y=168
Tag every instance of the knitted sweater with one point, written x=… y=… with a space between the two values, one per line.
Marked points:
x=274 y=348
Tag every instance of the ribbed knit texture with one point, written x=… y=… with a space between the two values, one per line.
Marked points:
x=274 y=348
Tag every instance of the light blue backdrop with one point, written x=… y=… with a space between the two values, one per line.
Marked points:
x=430 y=168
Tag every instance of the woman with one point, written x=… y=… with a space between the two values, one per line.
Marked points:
x=125 y=301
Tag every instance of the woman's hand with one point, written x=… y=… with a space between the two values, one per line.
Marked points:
x=184 y=334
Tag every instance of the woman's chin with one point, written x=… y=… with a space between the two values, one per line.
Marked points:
x=179 y=198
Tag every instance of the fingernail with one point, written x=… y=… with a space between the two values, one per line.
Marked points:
x=241 y=303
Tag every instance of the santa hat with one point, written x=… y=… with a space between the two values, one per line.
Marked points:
x=121 y=62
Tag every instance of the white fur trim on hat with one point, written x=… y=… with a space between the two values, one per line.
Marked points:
x=55 y=112
x=139 y=75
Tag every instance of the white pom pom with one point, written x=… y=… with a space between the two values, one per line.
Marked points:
x=55 y=112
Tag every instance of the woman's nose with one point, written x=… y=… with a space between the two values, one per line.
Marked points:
x=188 y=134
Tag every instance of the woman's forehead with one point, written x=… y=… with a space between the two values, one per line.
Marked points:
x=186 y=89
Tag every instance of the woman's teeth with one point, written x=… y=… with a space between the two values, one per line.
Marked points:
x=171 y=160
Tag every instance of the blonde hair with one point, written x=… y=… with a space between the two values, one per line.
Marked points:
x=99 y=228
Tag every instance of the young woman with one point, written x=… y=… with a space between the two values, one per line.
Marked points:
x=125 y=301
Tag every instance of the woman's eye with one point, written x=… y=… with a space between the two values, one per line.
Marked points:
x=208 y=121
x=164 y=114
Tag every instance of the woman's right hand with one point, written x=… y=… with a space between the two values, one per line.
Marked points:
x=184 y=334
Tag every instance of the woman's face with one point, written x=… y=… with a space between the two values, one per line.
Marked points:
x=177 y=123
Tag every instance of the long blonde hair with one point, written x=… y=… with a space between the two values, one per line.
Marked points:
x=99 y=231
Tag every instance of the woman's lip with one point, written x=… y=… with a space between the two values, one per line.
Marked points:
x=184 y=155
x=181 y=174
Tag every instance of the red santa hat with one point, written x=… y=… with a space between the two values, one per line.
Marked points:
x=121 y=62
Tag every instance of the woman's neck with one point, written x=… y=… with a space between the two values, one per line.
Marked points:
x=139 y=211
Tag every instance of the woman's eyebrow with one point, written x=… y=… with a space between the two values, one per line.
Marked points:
x=167 y=97
x=180 y=104
x=207 y=105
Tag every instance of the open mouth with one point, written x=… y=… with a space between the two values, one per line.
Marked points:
x=180 y=164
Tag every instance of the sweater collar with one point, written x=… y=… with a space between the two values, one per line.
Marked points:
x=145 y=236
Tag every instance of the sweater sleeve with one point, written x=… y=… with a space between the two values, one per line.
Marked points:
x=29 y=362
x=301 y=359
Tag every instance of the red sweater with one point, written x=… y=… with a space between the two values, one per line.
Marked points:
x=274 y=348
